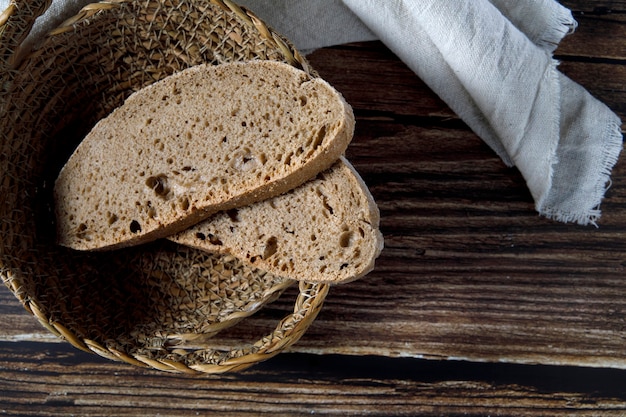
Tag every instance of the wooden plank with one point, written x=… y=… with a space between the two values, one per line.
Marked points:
x=42 y=379
x=595 y=7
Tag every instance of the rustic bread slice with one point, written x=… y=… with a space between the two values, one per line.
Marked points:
x=206 y=139
x=325 y=230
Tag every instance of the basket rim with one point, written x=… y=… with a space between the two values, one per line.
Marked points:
x=16 y=22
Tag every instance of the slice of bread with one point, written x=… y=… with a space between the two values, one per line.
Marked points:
x=206 y=139
x=326 y=230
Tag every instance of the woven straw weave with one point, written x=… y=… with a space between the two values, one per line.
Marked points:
x=158 y=305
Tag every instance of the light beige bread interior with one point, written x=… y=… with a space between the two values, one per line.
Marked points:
x=326 y=230
x=206 y=139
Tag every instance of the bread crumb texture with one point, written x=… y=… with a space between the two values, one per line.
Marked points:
x=206 y=139
x=325 y=230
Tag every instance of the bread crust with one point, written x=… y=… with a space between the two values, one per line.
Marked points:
x=326 y=230
x=207 y=139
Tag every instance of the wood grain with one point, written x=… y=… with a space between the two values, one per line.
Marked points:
x=56 y=380
x=525 y=316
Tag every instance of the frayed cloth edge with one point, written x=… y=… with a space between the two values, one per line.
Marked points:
x=612 y=149
x=563 y=24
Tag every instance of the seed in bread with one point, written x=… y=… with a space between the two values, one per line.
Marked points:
x=206 y=139
x=326 y=230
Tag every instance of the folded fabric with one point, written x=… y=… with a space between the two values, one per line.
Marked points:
x=312 y=24
x=491 y=62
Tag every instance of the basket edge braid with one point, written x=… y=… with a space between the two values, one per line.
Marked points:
x=16 y=21
x=291 y=54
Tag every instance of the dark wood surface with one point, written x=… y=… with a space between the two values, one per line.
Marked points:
x=477 y=306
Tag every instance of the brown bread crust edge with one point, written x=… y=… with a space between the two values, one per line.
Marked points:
x=97 y=225
x=326 y=230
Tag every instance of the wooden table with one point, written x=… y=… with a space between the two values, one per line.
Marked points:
x=477 y=306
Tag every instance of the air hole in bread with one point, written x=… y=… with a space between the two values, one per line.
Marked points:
x=329 y=209
x=184 y=203
x=288 y=158
x=200 y=236
x=346 y=239
x=233 y=214
x=215 y=240
x=112 y=218
x=135 y=226
x=159 y=145
x=319 y=138
x=244 y=160
x=158 y=184
x=83 y=232
x=271 y=247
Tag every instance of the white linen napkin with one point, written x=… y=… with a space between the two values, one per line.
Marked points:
x=507 y=89
x=491 y=62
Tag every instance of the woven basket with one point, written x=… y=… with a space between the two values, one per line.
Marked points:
x=158 y=305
